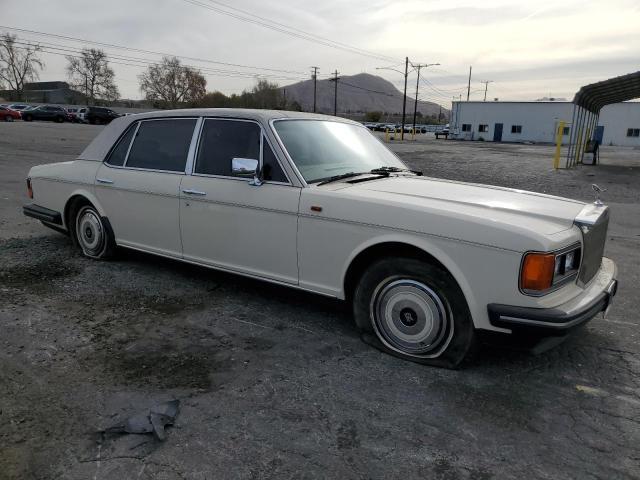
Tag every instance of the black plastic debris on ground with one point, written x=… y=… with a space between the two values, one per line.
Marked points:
x=153 y=420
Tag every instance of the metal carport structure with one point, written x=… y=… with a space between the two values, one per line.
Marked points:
x=587 y=104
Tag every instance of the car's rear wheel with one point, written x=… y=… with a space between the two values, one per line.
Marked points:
x=28 y=118
x=60 y=119
x=416 y=311
x=91 y=233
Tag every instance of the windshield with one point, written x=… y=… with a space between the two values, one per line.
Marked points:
x=322 y=149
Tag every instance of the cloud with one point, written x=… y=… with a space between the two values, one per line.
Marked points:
x=528 y=48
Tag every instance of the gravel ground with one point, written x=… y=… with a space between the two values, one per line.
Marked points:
x=275 y=383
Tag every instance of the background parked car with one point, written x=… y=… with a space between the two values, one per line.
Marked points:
x=99 y=115
x=18 y=107
x=46 y=112
x=9 y=115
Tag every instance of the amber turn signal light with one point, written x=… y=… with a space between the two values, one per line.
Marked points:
x=537 y=271
x=29 y=189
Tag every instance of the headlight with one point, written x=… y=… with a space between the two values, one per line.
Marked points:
x=540 y=272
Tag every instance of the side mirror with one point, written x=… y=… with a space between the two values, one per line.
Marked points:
x=246 y=167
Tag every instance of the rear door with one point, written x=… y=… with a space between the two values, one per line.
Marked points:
x=139 y=183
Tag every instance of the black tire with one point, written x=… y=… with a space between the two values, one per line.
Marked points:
x=60 y=119
x=427 y=318
x=8 y=118
x=28 y=118
x=91 y=232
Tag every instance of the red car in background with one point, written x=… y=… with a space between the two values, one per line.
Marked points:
x=9 y=115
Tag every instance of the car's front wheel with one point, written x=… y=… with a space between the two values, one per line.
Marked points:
x=91 y=233
x=415 y=310
x=8 y=118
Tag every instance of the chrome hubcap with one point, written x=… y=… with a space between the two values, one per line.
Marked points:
x=411 y=318
x=89 y=231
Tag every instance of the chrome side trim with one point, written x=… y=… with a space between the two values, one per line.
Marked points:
x=406 y=230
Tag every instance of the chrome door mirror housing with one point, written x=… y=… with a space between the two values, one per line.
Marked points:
x=246 y=167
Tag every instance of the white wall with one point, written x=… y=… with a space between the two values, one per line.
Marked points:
x=539 y=120
x=617 y=119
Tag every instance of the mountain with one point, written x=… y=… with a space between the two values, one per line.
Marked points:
x=357 y=93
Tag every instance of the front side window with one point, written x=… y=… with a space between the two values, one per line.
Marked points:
x=322 y=148
x=162 y=144
x=223 y=140
x=271 y=169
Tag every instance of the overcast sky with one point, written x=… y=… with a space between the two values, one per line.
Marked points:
x=529 y=49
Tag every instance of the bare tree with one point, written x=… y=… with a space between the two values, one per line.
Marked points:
x=91 y=74
x=18 y=64
x=173 y=83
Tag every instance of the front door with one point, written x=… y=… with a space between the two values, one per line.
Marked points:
x=225 y=220
x=497 y=132
x=139 y=184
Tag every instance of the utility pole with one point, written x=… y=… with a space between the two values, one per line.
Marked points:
x=404 y=100
x=469 y=84
x=335 y=93
x=315 y=78
x=486 y=85
x=415 y=103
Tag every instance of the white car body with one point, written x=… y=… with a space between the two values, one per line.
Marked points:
x=308 y=236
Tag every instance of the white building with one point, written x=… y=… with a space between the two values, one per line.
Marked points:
x=619 y=123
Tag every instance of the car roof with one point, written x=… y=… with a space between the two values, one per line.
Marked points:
x=100 y=146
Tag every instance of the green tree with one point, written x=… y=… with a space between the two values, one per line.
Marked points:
x=373 y=116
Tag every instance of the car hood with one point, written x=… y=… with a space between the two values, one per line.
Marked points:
x=545 y=214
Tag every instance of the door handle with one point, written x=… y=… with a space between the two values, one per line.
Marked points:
x=194 y=192
x=104 y=180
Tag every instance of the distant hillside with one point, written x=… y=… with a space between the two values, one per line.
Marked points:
x=357 y=93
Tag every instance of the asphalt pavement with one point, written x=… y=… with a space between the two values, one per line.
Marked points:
x=275 y=383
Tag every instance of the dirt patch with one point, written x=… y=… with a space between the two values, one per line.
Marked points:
x=35 y=274
x=165 y=369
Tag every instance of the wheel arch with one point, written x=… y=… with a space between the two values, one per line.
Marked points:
x=393 y=246
x=80 y=195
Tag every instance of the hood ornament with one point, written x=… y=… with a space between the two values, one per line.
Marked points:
x=598 y=190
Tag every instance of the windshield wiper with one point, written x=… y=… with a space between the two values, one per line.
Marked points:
x=341 y=176
x=388 y=170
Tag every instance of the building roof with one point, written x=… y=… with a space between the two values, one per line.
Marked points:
x=618 y=89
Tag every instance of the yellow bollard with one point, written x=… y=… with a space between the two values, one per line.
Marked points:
x=556 y=157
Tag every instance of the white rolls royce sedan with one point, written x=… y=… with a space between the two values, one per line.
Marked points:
x=320 y=204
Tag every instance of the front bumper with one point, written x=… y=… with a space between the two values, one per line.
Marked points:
x=558 y=321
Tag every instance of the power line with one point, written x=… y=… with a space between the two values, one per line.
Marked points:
x=141 y=63
x=151 y=52
x=245 y=16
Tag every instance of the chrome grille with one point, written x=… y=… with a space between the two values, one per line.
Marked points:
x=593 y=239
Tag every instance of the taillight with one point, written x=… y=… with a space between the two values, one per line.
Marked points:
x=29 y=188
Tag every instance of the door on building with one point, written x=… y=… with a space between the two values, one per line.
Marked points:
x=599 y=134
x=497 y=132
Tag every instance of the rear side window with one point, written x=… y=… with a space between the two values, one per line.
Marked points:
x=119 y=154
x=162 y=145
x=223 y=140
